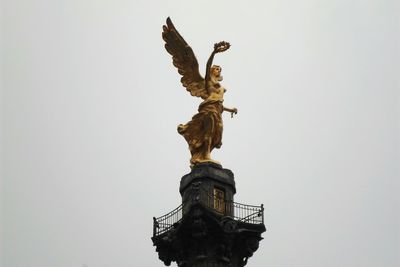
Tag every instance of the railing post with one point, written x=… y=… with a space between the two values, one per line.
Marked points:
x=154 y=226
x=262 y=213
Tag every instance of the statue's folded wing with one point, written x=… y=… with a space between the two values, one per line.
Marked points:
x=184 y=60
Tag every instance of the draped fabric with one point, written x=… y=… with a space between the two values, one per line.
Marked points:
x=204 y=132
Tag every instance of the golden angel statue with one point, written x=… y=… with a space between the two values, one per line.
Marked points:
x=204 y=132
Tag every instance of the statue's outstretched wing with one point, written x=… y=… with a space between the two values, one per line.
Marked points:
x=184 y=60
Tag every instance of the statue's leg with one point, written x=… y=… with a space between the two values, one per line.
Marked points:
x=196 y=157
x=207 y=150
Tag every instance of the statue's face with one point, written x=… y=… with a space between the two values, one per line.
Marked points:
x=216 y=71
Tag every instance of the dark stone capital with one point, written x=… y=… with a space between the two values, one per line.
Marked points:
x=208 y=170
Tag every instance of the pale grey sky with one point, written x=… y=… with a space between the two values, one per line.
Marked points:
x=91 y=101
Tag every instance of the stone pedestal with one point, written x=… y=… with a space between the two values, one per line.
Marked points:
x=211 y=185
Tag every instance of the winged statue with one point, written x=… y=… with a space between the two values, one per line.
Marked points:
x=203 y=132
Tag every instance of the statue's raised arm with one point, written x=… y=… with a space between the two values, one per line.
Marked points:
x=218 y=48
x=204 y=132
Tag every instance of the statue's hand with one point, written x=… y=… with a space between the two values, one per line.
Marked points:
x=234 y=111
x=221 y=47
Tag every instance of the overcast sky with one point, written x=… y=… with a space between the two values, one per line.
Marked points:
x=90 y=102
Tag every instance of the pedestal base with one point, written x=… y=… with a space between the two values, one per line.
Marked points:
x=204 y=239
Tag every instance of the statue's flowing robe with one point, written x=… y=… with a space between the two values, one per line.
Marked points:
x=204 y=132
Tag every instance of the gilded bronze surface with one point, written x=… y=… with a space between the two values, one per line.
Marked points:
x=204 y=132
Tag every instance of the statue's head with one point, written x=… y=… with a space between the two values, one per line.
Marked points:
x=216 y=73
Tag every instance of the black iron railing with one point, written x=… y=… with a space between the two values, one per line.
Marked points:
x=164 y=223
x=248 y=213
x=240 y=212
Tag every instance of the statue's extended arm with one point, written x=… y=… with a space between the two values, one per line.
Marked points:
x=231 y=110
